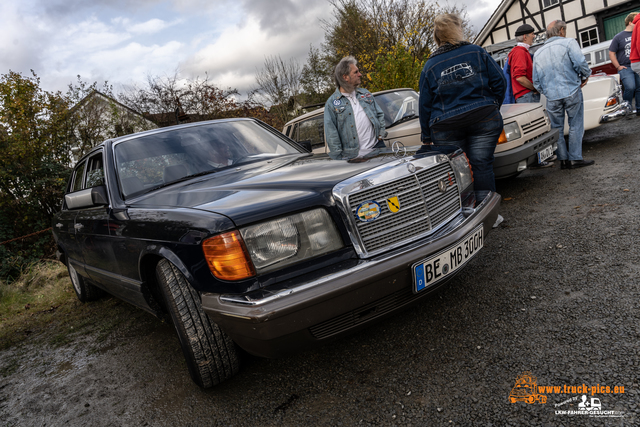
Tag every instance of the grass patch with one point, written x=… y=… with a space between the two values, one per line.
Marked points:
x=32 y=302
x=42 y=303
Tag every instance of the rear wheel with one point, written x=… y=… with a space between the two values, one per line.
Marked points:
x=210 y=354
x=84 y=290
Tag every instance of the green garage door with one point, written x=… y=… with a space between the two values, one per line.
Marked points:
x=615 y=24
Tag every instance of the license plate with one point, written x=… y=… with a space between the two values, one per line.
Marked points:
x=545 y=153
x=447 y=261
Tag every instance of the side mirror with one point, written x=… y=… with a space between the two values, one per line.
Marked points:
x=88 y=198
x=306 y=144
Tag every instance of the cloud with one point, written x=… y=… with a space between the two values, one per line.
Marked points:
x=151 y=26
x=270 y=28
x=233 y=58
x=20 y=50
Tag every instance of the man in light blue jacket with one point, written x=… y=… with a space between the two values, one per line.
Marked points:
x=352 y=118
x=559 y=72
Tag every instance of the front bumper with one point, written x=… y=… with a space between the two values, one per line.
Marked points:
x=514 y=161
x=622 y=111
x=279 y=319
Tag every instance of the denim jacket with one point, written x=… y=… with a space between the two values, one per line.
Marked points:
x=455 y=80
x=559 y=68
x=340 y=124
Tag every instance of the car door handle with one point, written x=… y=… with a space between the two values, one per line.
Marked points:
x=58 y=225
x=78 y=226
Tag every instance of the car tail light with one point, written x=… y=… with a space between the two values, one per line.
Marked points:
x=612 y=101
x=227 y=256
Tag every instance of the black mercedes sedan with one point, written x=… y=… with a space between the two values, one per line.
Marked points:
x=245 y=240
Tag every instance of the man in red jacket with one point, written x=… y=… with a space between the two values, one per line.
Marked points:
x=521 y=69
x=634 y=55
x=521 y=66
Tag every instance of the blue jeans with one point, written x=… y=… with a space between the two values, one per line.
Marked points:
x=529 y=97
x=631 y=83
x=573 y=106
x=478 y=141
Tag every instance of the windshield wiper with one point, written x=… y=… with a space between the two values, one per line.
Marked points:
x=404 y=118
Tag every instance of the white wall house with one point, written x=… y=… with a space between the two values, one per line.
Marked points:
x=588 y=21
x=98 y=117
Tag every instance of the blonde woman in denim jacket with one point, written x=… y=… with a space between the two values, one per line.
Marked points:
x=461 y=90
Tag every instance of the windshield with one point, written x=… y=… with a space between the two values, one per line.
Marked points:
x=397 y=105
x=156 y=160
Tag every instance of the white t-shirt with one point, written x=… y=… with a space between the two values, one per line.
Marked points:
x=366 y=134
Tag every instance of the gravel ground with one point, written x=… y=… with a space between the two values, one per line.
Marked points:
x=554 y=292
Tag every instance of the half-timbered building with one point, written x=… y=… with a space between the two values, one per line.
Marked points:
x=588 y=21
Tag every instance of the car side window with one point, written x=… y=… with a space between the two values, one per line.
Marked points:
x=311 y=130
x=78 y=177
x=294 y=132
x=95 y=171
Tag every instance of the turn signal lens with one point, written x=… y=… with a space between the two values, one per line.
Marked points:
x=227 y=256
x=503 y=138
x=612 y=101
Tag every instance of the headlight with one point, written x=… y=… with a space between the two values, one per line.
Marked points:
x=510 y=132
x=274 y=244
x=269 y=245
x=462 y=169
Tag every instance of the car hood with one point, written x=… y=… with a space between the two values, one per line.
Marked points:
x=406 y=129
x=412 y=127
x=267 y=188
x=511 y=110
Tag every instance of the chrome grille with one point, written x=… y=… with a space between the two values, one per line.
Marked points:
x=423 y=208
x=534 y=125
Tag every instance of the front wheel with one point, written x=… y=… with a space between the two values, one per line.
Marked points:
x=210 y=353
x=84 y=290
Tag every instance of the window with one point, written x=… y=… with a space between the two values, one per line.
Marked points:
x=589 y=37
x=602 y=56
x=78 y=176
x=549 y=3
x=95 y=172
x=312 y=130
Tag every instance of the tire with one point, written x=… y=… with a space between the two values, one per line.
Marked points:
x=210 y=354
x=84 y=290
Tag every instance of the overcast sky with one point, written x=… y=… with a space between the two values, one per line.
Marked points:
x=123 y=41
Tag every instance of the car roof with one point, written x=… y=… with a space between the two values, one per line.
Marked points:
x=321 y=109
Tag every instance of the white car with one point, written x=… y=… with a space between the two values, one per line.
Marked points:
x=527 y=138
x=602 y=101
x=602 y=94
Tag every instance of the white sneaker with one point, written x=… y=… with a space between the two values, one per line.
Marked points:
x=498 y=221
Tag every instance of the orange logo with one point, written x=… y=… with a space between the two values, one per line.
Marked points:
x=526 y=390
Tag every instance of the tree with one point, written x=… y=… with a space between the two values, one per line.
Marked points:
x=279 y=87
x=96 y=115
x=317 y=84
x=395 y=69
x=35 y=150
x=172 y=100
x=389 y=38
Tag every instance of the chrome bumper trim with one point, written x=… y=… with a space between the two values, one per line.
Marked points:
x=263 y=296
x=622 y=111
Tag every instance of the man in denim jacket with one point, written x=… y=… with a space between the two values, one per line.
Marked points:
x=559 y=72
x=352 y=118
